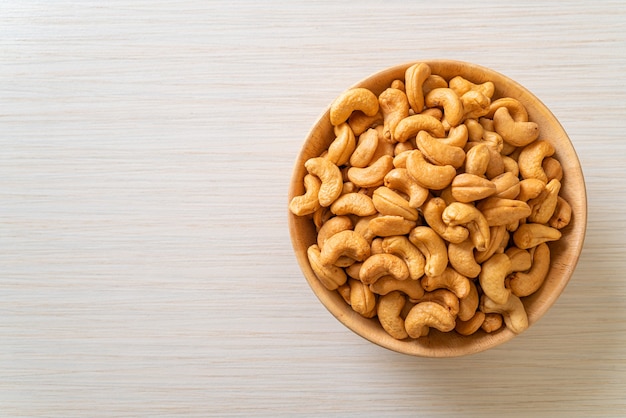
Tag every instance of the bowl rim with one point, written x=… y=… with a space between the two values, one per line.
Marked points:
x=424 y=347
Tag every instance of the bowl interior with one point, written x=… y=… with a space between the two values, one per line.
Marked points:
x=564 y=253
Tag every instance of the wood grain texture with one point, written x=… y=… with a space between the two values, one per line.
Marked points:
x=145 y=155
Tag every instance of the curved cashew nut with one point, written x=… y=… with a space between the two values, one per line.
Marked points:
x=400 y=246
x=345 y=243
x=531 y=235
x=387 y=284
x=432 y=82
x=372 y=175
x=459 y=213
x=308 y=202
x=530 y=189
x=524 y=284
x=414 y=77
x=330 y=176
x=432 y=210
x=531 y=158
x=475 y=130
x=433 y=247
x=390 y=225
x=475 y=104
x=389 y=308
x=477 y=159
x=399 y=179
x=492 y=322
x=353 y=203
x=450 y=279
x=379 y=265
x=461 y=86
x=515 y=108
x=360 y=122
x=329 y=275
x=553 y=169
x=471 y=325
x=444 y=297
x=467 y=187
x=426 y=315
x=376 y=246
x=507 y=185
x=499 y=240
x=362 y=299
x=469 y=304
x=451 y=103
x=498 y=211
x=462 y=259
x=562 y=214
x=394 y=106
x=515 y=133
x=409 y=127
x=457 y=136
x=543 y=206
x=428 y=175
x=439 y=153
x=343 y=146
x=512 y=311
x=320 y=216
x=331 y=227
x=388 y=202
x=510 y=165
x=350 y=100
x=520 y=259
x=365 y=149
x=492 y=276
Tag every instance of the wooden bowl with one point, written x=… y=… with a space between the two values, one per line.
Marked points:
x=565 y=252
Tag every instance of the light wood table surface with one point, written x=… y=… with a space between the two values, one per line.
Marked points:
x=145 y=262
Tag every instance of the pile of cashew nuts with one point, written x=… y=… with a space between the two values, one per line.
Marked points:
x=433 y=206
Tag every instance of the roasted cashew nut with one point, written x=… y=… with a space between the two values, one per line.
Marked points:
x=353 y=204
x=343 y=146
x=477 y=159
x=450 y=279
x=492 y=276
x=530 y=189
x=466 y=187
x=426 y=315
x=507 y=185
x=373 y=175
x=350 y=100
x=308 y=202
x=553 y=169
x=543 y=206
x=388 y=202
x=499 y=240
x=362 y=299
x=469 y=303
x=408 y=127
x=399 y=179
x=461 y=257
x=414 y=77
x=400 y=246
x=439 y=153
x=449 y=101
x=562 y=214
x=531 y=235
x=394 y=106
x=525 y=284
x=331 y=227
x=360 y=122
x=518 y=134
x=461 y=86
x=330 y=176
x=345 y=243
x=520 y=259
x=365 y=149
x=433 y=247
x=329 y=275
x=492 y=322
x=457 y=136
x=515 y=108
x=444 y=297
x=471 y=325
x=432 y=210
x=379 y=265
x=465 y=214
x=531 y=159
x=428 y=175
x=512 y=311
x=475 y=104
x=389 y=308
x=498 y=211
x=387 y=284
x=390 y=225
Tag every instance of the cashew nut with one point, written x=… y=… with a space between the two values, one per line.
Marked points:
x=477 y=159
x=414 y=77
x=530 y=189
x=531 y=159
x=520 y=259
x=428 y=175
x=512 y=311
x=360 y=122
x=562 y=214
x=433 y=247
x=471 y=325
x=400 y=246
x=543 y=206
x=469 y=303
x=498 y=211
x=492 y=322
x=515 y=108
x=330 y=176
x=432 y=82
x=459 y=213
x=470 y=187
x=432 y=210
x=399 y=179
x=362 y=299
x=457 y=136
x=388 y=202
x=461 y=86
x=345 y=243
x=461 y=257
x=492 y=276
x=530 y=235
x=474 y=130
x=350 y=100
x=394 y=106
x=390 y=225
x=499 y=240
x=342 y=147
x=444 y=297
x=331 y=227
x=553 y=169
x=308 y=202
x=389 y=308
x=365 y=149
x=329 y=275
x=409 y=127
x=515 y=133
x=507 y=185
x=439 y=153
x=510 y=165
x=353 y=203
x=475 y=104
x=372 y=175
x=451 y=103
x=387 y=284
x=379 y=265
x=426 y=315
x=450 y=279
x=525 y=284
